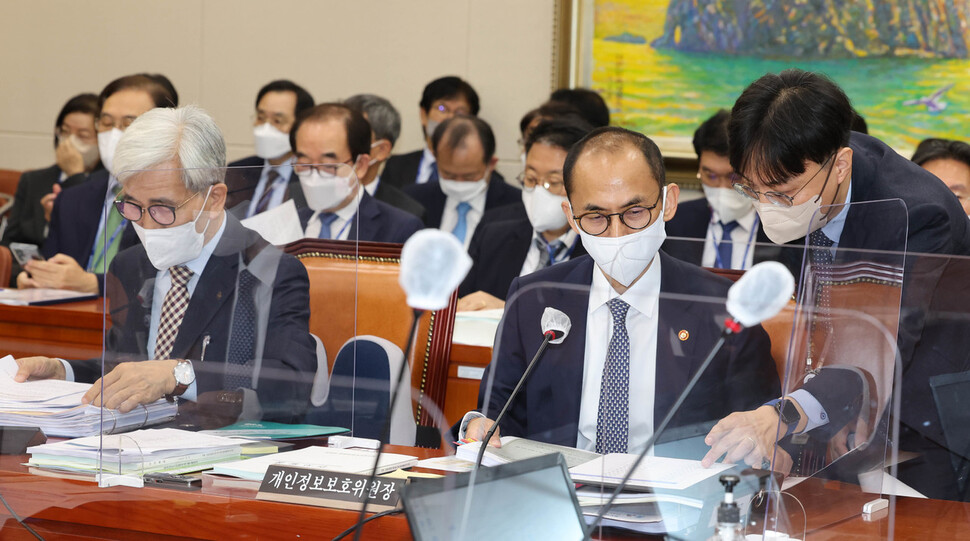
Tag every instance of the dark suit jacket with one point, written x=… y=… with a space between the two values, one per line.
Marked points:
x=691 y=221
x=498 y=250
x=741 y=377
x=242 y=184
x=396 y=197
x=75 y=218
x=26 y=222
x=288 y=355
x=379 y=222
x=930 y=343
x=430 y=195
x=401 y=170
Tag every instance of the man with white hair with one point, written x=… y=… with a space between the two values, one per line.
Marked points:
x=221 y=315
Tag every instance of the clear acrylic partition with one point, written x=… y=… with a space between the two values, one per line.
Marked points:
x=560 y=403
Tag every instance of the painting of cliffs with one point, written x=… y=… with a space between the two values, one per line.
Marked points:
x=666 y=65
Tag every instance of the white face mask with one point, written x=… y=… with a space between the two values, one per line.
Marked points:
x=374 y=161
x=324 y=192
x=89 y=152
x=464 y=190
x=625 y=258
x=544 y=209
x=270 y=142
x=785 y=224
x=727 y=203
x=107 y=143
x=170 y=246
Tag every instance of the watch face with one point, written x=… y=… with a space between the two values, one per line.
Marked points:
x=790 y=414
x=184 y=374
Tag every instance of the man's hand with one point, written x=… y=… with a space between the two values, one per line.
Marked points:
x=47 y=202
x=131 y=384
x=24 y=281
x=847 y=439
x=477 y=428
x=479 y=300
x=69 y=158
x=60 y=272
x=31 y=368
x=747 y=435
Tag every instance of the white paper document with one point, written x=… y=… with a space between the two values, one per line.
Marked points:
x=653 y=471
x=477 y=328
x=55 y=407
x=358 y=461
x=279 y=225
x=24 y=297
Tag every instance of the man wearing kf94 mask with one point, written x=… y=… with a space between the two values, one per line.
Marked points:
x=801 y=165
x=331 y=143
x=635 y=339
x=502 y=250
x=222 y=315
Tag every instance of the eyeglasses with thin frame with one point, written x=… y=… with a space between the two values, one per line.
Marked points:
x=163 y=215
x=552 y=182
x=636 y=217
x=442 y=108
x=106 y=122
x=778 y=198
x=732 y=178
x=323 y=169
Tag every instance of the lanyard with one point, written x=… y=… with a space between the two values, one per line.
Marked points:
x=92 y=263
x=747 y=246
x=342 y=229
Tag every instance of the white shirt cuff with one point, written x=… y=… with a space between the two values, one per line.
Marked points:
x=68 y=371
x=815 y=415
x=192 y=393
x=465 y=420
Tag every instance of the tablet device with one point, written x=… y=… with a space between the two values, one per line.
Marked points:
x=527 y=499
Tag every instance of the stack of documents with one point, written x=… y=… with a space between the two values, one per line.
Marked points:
x=143 y=451
x=55 y=407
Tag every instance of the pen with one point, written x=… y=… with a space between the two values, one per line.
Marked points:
x=205 y=344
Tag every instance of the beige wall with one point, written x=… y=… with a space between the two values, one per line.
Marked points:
x=219 y=52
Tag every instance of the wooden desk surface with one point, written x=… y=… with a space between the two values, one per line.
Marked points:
x=71 y=330
x=62 y=509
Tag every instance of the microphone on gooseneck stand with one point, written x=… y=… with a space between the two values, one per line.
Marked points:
x=758 y=295
x=555 y=327
x=433 y=264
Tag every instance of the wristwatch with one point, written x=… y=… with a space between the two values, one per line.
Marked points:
x=184 y=376
x=788 y=414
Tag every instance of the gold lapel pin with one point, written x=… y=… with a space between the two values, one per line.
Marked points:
x=219 y=296
x=683 y=335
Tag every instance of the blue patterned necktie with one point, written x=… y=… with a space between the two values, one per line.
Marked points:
x=271 y=177
x=434 y=172
x=725 y=247
x=242 y=344
x=549 y=252
x=613 y=416
x=461 y=228
x=326 y=218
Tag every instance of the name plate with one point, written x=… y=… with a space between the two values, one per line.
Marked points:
x=329 y=489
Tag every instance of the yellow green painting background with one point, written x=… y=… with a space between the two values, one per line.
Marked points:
x=668 y=93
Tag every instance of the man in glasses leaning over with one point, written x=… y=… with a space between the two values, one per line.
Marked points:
x=221 y=315
x=809 y=175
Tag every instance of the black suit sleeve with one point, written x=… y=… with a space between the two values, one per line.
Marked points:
x=508 y=365
x=289 y=356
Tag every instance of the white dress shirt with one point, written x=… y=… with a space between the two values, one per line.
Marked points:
x=531 y=264
x=372 y=187
x=743 y=239
x=449 y=217
x=285 y=170
x=424 y=169
x=340 y=228
x=641 y=325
